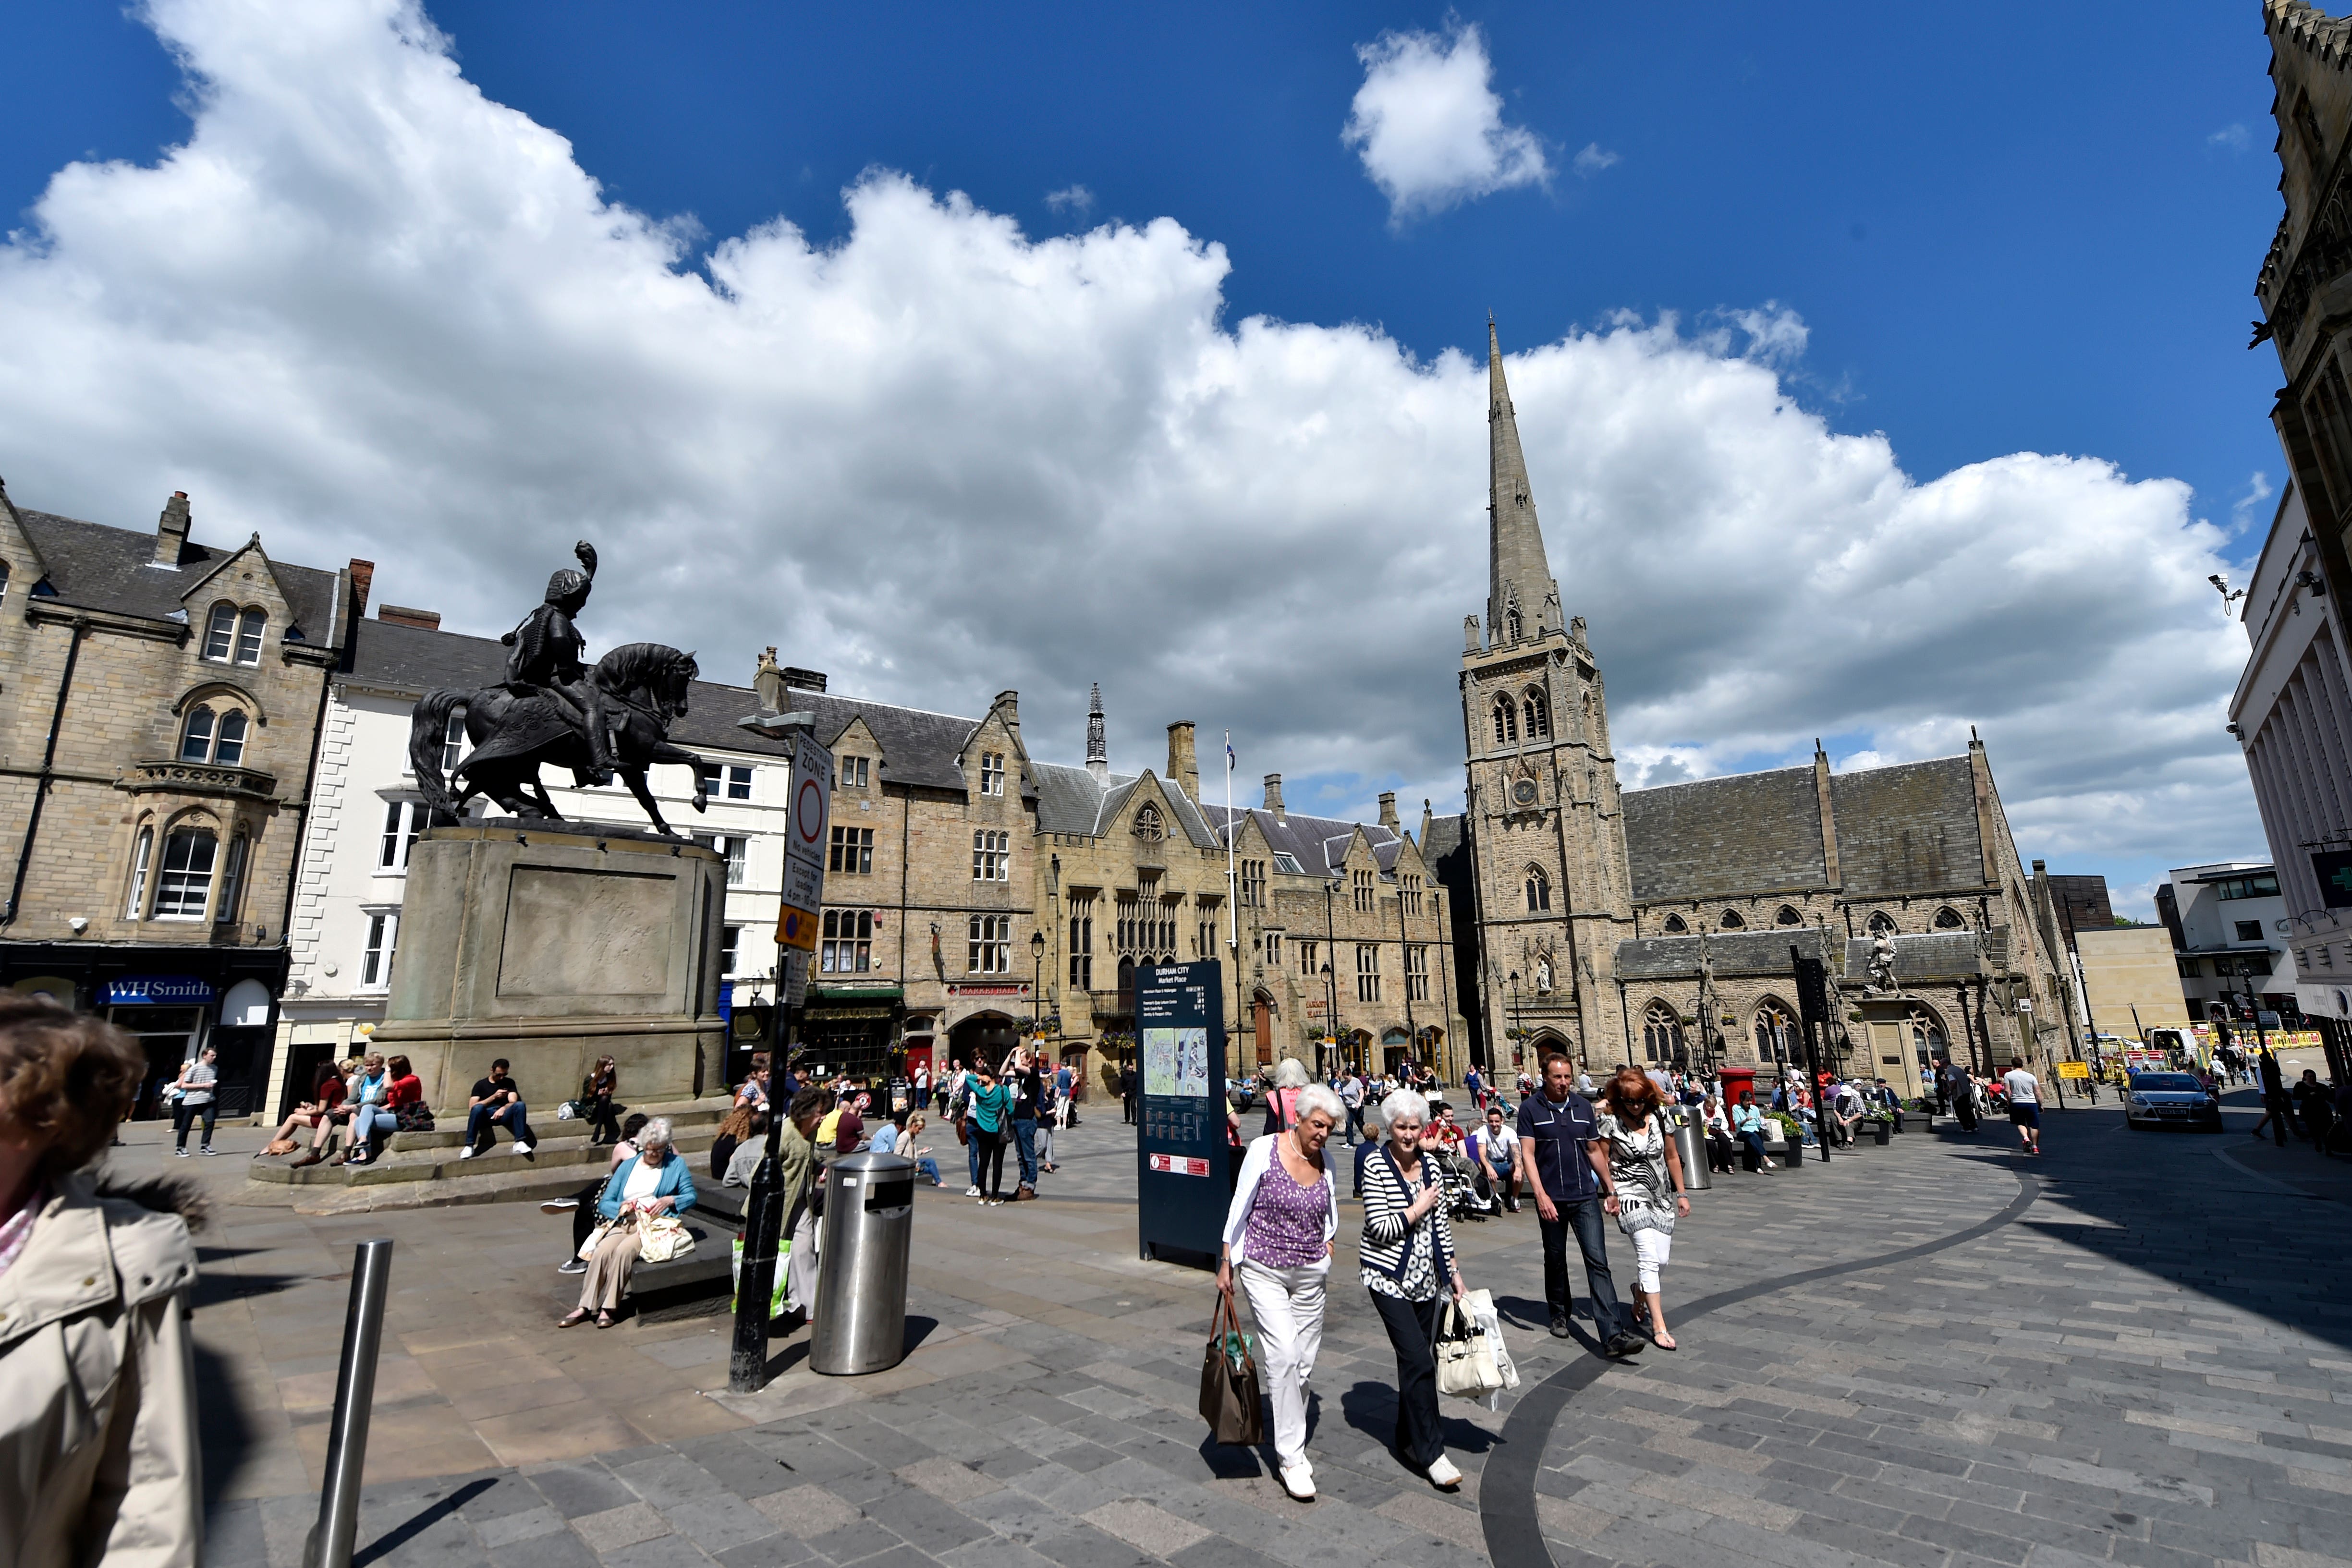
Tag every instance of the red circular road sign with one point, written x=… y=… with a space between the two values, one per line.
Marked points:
x=808 y=813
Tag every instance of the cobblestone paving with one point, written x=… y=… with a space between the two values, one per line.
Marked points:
x=2153 y=1364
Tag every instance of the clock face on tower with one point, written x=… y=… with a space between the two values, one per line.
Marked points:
x=1524 y=792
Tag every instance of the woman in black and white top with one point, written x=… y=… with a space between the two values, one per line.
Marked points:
x=1407 y=1252
x=1642 y=1181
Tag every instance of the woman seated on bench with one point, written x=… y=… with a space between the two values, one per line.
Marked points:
x=653 y=1181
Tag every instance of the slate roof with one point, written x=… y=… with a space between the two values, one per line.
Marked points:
x=918 y=748
x=1733 y=953
x=1073 y=800
x=1906 y=829
x=1716 y=837
x=1319 y=844
x=95 y=567
x=1910 y=828
x=1930 y=956
x=1443 y=837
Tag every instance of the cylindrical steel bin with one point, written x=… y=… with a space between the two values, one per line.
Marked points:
x=861 y=1294
x=1690 y=1144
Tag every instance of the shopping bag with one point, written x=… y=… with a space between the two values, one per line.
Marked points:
x=1465 y=1367
x=596 y=1239
x=1481 y=1304
x=777 y=1289
x=1229 y=1383
x=663 y=1238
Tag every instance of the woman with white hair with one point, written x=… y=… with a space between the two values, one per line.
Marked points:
x=654 y=1180
x=1408 y=1256
x=1278 y=1230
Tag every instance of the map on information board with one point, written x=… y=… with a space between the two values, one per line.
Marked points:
x=1176 y=1062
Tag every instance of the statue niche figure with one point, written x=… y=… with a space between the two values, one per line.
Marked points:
x=553 y=707
x=1882 y=962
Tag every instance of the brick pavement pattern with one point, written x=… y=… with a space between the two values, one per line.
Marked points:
x=2152 y=1365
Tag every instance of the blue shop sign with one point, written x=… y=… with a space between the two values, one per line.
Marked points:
x=158 y=991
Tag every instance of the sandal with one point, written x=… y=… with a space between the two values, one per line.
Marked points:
x=574 y=1318
x=1665 y=1342
x=603 y=1320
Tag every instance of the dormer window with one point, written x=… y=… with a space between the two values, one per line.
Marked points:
x=233 y=636
x=854 y=772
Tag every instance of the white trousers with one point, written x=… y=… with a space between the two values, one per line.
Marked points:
x=1651 y=1251
x=1288 y=1306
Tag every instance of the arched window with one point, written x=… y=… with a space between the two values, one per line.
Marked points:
x=1538 y=890
x=141 y=855
x=1507 y=722
x=196 y=736
x=1928 y=1042
x=233 y=636
x=185 y=889
x=1776 y=1030
x=1676 y=925
x=1662 y=1033
x=1948 y=919
x=1881 y=924
x=1511 y=623
x=248 y=636
x=229 y=748
x=1731 y=920
x=1787 y=917
x=1536 y=709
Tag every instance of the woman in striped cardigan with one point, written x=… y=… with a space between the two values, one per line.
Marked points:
x=1407 y=1253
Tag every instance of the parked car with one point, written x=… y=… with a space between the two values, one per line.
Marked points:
x=2171 y=1100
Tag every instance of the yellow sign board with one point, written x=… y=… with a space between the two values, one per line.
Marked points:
x=2074 y=1070
x=796 y=928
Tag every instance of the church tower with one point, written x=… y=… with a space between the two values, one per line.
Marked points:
x=1547 y=832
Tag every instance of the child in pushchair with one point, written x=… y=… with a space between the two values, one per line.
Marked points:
x=1469 y=1194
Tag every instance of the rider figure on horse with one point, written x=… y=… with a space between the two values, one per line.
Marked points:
x=547 y=656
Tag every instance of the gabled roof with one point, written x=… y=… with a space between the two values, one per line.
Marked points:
x=1318 y=843
x=93 y=567
x=1073 y=800
x=918 y=748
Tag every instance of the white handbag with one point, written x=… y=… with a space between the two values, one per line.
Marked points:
x=1465 y=1364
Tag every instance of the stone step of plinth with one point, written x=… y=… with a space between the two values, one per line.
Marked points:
x=685 y=1116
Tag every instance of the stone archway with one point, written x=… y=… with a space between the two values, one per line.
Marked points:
x=990 y=1034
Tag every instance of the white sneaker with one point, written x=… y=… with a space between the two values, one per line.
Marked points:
x=1298 y=1480
x=466 y=1153
x=1443 y=1474
x=522 y=1148
x=971 y=1192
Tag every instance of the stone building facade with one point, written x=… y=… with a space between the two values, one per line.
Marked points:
x=159 y=705
x=1656 y=926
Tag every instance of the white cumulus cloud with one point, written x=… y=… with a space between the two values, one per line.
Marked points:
x=1429 y=126
x=369 y=312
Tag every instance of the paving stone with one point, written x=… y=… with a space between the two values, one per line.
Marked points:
x=623 y=1526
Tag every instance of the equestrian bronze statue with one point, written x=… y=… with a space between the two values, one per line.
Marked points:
x=553 y=707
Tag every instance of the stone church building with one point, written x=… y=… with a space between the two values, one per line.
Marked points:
x=1656 y=926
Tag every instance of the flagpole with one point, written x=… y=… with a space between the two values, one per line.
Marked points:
x=1233 y=888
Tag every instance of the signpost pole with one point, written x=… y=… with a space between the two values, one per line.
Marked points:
x=1813 y=1004
x=796 y=928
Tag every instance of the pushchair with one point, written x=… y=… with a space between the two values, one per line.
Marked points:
x=1469 y=1193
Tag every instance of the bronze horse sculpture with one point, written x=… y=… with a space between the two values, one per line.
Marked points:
x=643 y=687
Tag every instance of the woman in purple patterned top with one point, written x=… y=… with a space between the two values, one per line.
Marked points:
x=1278 y=1231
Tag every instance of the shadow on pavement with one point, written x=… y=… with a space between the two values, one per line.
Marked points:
x=416 y=1524
x=228 y=1434
x=1372 y=1408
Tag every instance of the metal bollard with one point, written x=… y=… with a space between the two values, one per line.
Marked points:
x=330 y=1545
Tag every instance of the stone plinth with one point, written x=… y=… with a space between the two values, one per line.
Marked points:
x=553 y=945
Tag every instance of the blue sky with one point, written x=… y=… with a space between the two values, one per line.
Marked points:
x=2005 y=228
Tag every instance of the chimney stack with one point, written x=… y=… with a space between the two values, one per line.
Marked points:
x=1389 y=810
x=1184 y=767
x=363 y=579
x=799 y=680
x=401 y=615
x=171 y=530
x=1273 y=797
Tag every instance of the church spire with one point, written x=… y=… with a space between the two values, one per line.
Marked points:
x=1097 y=746
x=1523 y=598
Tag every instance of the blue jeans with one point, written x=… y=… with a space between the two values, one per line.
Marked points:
x=482 y=1123
x=1584 y=1217
x=931 y=1170
x=1024 y=1144
x=972 y=1154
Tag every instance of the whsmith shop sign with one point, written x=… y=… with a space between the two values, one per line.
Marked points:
x=158 y=991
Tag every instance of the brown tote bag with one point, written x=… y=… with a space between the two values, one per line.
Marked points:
x=1229 y=1383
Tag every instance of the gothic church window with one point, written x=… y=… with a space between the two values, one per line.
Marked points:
x=1507 y=722
x=1677 y=926
x=1538 y=890
x=1731 y=920
x=1535 y=708
x=1511 y=623
x=1787 y=917
x=1948 y=919
x=1776 y=1030
x=1148 y=826
x=1662 y=1032
x=1881 y=924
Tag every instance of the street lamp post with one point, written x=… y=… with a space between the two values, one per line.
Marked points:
x=1331 y=1006
x=1037 y=983
x=1518 y=1030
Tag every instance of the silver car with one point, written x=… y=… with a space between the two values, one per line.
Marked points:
x=2171 y=1100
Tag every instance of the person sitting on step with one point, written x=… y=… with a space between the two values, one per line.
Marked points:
x=495 y=1100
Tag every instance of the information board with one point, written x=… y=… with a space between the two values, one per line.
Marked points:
x=1181 y=1155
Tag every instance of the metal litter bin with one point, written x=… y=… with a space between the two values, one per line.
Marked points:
x=1690 y=1144
x=861 y=1294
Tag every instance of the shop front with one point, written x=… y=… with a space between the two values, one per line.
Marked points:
x=851 y=1031
x=173 y=1002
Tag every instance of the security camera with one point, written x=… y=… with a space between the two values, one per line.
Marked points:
x=78 y=925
